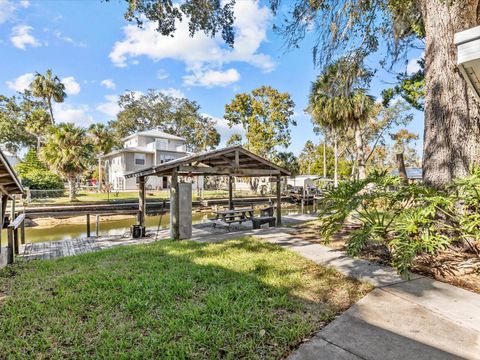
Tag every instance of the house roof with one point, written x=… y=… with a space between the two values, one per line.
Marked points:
x=136 y=149
x=412 y=173
x=233 y=160
x=154 y=133
x=9 y=182
x=305 y=177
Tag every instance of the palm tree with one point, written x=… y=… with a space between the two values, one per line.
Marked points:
x=336 y=103
x=103 y=142
x=48 y=87
x=67 y=151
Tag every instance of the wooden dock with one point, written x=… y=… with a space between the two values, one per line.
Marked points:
x=56 y=249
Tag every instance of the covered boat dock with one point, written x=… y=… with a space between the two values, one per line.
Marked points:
x=231 y=161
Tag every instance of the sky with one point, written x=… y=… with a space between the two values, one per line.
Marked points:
x=99 y=55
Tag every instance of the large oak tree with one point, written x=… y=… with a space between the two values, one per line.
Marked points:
x=177 y=116
x=359 y=28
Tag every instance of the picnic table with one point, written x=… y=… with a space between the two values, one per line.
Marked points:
x=228 y=217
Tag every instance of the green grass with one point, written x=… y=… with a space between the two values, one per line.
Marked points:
x=90 y=196
x=238 y=299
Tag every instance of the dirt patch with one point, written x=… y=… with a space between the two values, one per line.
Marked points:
x=457 y=268
x=52 y=222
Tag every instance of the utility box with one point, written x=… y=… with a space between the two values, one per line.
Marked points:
x=185 y=210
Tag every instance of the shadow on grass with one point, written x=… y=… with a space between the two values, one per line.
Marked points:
x=239 y=299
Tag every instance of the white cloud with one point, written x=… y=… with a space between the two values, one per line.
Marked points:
x=413 y=66
x=21 y=83
x=212 y=78
x=71 y=86
x=200 y=51
x=108 y=83
x=110 y=107
x=224 y=130
x=67 y=39
x=77 y=115
x=7 y=9
x=162 y=74
x=173 y=93
x=21 y=37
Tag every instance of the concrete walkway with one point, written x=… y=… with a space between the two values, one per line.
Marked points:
x=416 y=319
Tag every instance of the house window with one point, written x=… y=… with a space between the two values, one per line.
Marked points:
x=139 y=159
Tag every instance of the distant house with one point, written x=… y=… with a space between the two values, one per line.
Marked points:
x=413 y=173
x=143 y=149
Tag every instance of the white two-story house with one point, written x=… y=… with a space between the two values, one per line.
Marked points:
x=140 y=150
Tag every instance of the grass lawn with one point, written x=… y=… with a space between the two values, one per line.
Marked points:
x=238 y=299
x=90 y=196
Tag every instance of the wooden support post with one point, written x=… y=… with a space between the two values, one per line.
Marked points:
x=12 y=210
x=88 y=225
x=230 y=193
x=141 y=201
x=279 y=201
x=175 y=204
x=97 y=225
x=2 y=215
x=11 y=247
x=22 y=232
x=15 y=238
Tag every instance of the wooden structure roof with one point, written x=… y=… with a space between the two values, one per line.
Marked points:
x=233 y=161
x=9 y=182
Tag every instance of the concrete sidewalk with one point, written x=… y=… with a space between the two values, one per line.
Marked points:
x=416 y=319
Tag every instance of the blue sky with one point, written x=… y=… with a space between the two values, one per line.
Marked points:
x=99 y=56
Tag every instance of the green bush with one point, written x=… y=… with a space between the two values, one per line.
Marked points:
x=408 y=219
x=36 y=176
x=42 y=180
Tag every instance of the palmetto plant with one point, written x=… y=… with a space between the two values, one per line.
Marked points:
x=67 y=151
x=48 y=87
x=408 y=219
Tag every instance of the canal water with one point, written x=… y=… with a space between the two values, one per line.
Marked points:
x=119 y=227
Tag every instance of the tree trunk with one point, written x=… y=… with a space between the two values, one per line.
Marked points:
x=402 y=171
x=72 y=188
x=335 y=167
x=325 y=157
x=100 y=180
x=49 y=103
x=452 y=114
x=39 y=145
x=362 y=173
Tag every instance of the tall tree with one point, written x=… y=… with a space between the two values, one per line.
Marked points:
x=267 y=115
x=67 y=151
x=48 y=87
x=234 y=139
x=337 y=102
x=37 y=124
x=360 y=28
x=311 y=161
x=13 y=124
x=103 y=141
x=289 y=161
x=177 y=116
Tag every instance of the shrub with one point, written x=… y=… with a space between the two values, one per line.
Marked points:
x=36 y=176
x=408 y=219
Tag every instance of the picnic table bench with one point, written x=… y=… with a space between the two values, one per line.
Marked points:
x=266 y=217
x=228 y=217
